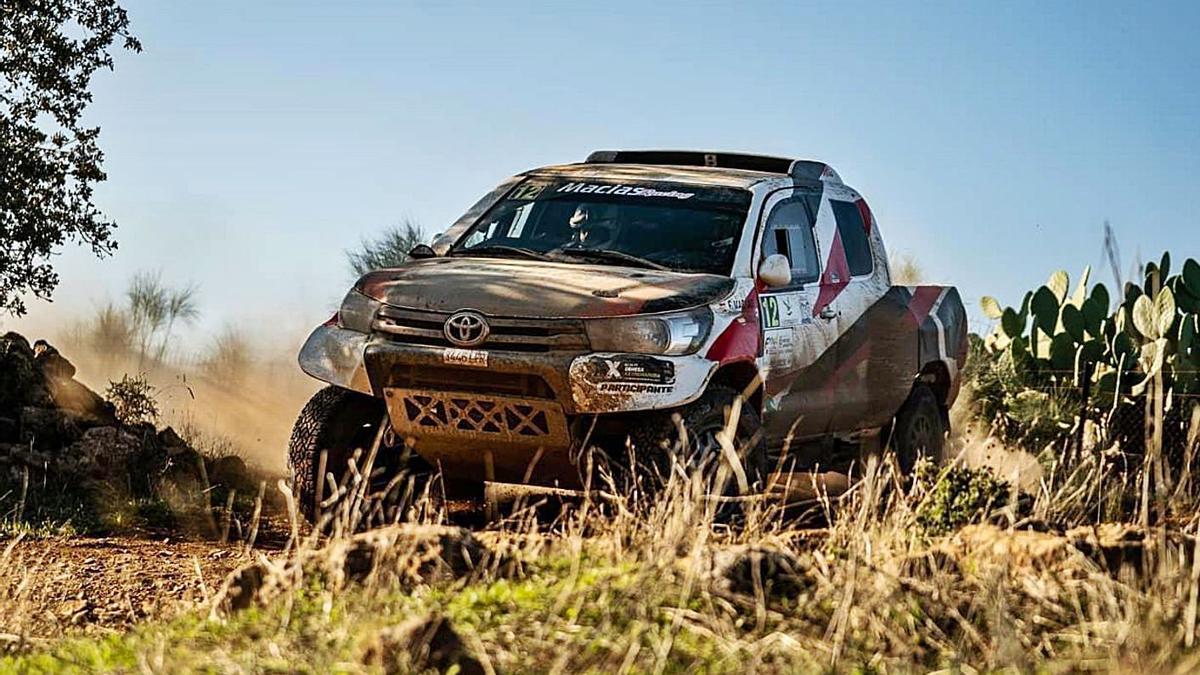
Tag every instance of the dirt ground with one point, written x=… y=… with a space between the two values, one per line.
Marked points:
x=55 y=586
x=66 y=584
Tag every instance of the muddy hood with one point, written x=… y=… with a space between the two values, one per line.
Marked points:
x=520 y=288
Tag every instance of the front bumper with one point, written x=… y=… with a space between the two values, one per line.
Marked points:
x=335 y=355
x=591 y=383
x=494 y=414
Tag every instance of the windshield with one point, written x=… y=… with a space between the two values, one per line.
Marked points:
x=685 y=228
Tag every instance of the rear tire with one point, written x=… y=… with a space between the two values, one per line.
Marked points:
x=919 y=430
x=337 y=422
x=660 y=447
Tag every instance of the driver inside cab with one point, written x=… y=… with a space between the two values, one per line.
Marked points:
x=594 y=226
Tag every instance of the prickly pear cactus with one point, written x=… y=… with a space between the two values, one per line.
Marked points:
x=1153 y=328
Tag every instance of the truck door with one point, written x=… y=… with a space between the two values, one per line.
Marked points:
x=854 y=280
x=794 y=339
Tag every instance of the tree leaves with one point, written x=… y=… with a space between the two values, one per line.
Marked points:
x=48 y=53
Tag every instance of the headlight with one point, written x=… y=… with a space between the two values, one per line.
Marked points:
x=669 y=334
x=357 y=312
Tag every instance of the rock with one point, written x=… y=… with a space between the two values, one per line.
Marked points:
x=107 y=450
x=48 y=428
x=54 y=366
x=171 y=440
x=229 y=472
x=419 y=644
x=1112 y=545
x=21 y=381
x=10 y=429
x=182 y=466
x=407 y=554
x=746 y=570
x=988 y=545
x=89 y=407
x=242 y=589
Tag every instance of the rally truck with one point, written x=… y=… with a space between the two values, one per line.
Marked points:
x=632 y=303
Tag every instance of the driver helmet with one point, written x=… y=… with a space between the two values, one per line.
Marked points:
x=594 y=223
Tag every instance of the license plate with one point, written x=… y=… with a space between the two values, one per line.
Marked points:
x=465 y=357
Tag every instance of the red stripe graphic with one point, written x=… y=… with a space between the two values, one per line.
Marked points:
x=835 y=277
x=865 y=212
x=923 y=300
x=739 y=341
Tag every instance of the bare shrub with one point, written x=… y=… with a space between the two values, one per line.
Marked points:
x=230 y=356
x=906 y=270
x=133 y=399
x=388 y=250
x=154 y=309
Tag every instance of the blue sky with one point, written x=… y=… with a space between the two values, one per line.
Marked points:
x=252 y=142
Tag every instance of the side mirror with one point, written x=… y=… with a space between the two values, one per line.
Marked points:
x=422 y=251
x=442 y=243
x=775 y=271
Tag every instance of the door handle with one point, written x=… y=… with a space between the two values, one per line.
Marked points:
x=829 y=313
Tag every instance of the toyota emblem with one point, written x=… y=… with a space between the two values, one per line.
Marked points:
x=466 y=329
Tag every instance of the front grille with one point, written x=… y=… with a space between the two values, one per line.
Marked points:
x=507 y=334
x=416 y=412
x=477 y=380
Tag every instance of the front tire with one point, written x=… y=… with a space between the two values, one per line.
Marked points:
x=687 y=439
x=336 y=422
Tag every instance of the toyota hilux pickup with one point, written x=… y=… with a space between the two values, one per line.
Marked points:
x=636 y=301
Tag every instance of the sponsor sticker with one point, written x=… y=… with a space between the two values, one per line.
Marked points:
x=770 y=311
x=736 y=302
x=630 y=190
x=632 y=370
x=633 y=388
x=528 y=191
x=782 y=311
x=780 y=348
x=477 y=358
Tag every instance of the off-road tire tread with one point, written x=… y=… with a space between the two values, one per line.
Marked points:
x=648 y=437
x=921 y=401
x=322 y=425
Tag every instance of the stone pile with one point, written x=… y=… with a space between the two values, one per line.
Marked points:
x=55 y=430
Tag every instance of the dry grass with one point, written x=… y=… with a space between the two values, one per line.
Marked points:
x=1055 y=579
x=618 y=584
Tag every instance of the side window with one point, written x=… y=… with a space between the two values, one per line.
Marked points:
x=789 y=231
x=854 y=237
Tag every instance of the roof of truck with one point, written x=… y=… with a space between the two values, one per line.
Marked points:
x=735 y=178
x=690 y=166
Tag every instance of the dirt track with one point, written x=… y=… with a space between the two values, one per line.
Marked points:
x=59 y=585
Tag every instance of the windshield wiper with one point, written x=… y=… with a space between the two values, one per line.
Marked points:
x=501 y=250
x=606 y=254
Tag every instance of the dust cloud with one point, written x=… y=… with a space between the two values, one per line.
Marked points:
x=249 y=414
x=247 y=409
